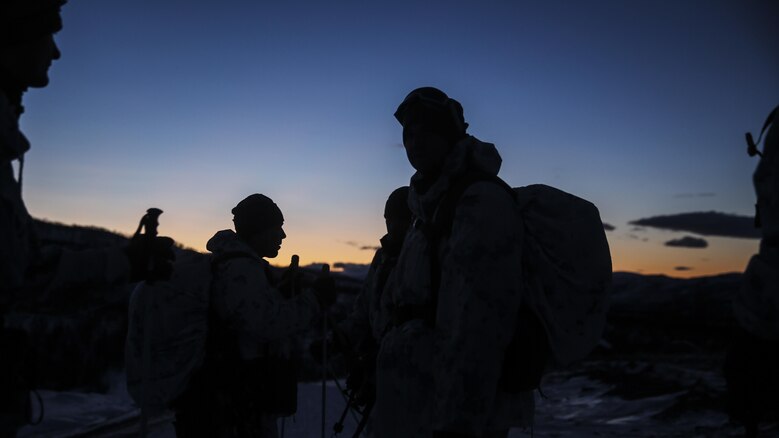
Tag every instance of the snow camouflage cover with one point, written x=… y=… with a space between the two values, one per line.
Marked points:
x=177 y=325
x=565 y=246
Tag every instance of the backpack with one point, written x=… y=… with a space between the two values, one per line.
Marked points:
x=566 y=269
x=168 y=328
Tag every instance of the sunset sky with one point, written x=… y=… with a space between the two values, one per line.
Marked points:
x=638 y=106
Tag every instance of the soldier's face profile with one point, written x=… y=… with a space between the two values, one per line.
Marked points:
x=425 y=148
x=397 y=224
x=28 y=63
x=267 y=242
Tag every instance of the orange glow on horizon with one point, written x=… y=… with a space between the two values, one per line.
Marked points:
x=724 y=255
x=322 y=243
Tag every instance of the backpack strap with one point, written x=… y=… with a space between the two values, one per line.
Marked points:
x=443 y=218
x=441 y=228
x=528 y=351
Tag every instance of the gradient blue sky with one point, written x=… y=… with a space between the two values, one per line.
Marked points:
x=190 y=106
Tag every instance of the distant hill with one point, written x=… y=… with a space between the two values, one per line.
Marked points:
x=78 y=343
x=659 y=313
x=684 y=301
x=77 y=236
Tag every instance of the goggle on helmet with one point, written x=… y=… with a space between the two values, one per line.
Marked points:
x=435 y=99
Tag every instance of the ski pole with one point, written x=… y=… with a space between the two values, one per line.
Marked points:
x=294 y=266
x=325 y=273
x=365 y=417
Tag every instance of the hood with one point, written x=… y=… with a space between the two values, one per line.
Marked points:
x=469 y=154
x=227 y=242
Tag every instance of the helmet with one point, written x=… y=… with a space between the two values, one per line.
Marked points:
x=436 y=105
x=21 y=20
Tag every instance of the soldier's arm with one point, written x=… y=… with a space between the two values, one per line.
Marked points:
x=477 y=306
x=244 y=298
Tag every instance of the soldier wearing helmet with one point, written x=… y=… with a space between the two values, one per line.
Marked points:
x=449 y=300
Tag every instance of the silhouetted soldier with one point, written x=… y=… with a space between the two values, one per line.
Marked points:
x=248 y=379
x=361 y=325
x=752 y=365
x=359 y=334
x=452 y=299
x=28 y=273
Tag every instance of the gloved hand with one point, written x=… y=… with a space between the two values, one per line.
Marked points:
x=150 y=259
x=324 y=290
x=296 y=278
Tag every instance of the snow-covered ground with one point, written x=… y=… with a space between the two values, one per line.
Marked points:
x=599 y=398
x=74 y=414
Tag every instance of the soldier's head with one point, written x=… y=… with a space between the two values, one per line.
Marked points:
x=397 y=215
x=258 y=222
x=432 y=123
x=27 y=46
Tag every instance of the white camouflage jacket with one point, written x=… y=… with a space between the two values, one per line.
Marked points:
x=250 y=307
x=446 y=378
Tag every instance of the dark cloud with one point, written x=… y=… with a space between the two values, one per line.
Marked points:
x=683 y=268
x=710 y=223
x=636 y=237
x=688 y=242
x=609 y=227
x=362 y=246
